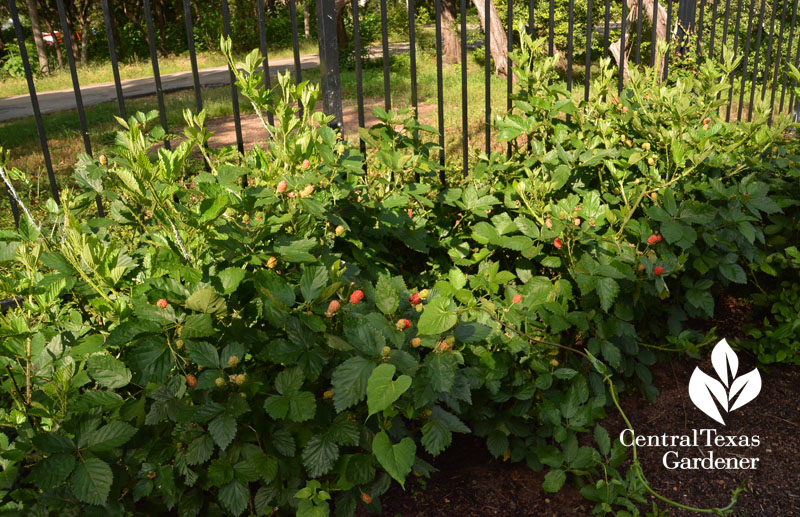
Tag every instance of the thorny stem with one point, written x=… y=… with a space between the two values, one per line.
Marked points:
x=637 y=468
x=16 y=197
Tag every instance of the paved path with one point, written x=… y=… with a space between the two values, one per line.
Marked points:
x=20 y=106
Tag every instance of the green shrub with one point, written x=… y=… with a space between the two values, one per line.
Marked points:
x=301 y=325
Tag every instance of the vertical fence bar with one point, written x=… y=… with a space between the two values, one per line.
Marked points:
x=687 y=12
x=162 y=110
x=531 y=18
x=755 y=60
x=669 y=39
x=73 y=71
x=607 y=29
x=713 y=29
x=765 y=75
x=777 y=62
x=112 y=53
x=700 y=30
x=413 y=54
x=792 y=106
x=464 y=108
x=638 y=55
x=621 y=78
x=262 y=33
x=76 y=87
x=725 y=33
x=237 y=116
x=788 y=54
x=359 y=80
x=570 y=42
x=587 y=75
x=654 y=39
x=37 y=114
x=487 y=72
x=329 y=63
x=735 y=55
x=509 y=73
x=509 y=49
x=746 y=56
x=551 y=27
x=298 y=69
x=187 y=17
x=387 y=87
x=14 y=207
x=439 y=82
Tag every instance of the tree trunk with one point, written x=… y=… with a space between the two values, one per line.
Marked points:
x=161 y=20
x=33 y=13
x=307 y=18
x=57 y=45
x=451 y=48
x=85 y=32
x=341 y=32
x=2 y=44
x=499 y=43
x=633 y=14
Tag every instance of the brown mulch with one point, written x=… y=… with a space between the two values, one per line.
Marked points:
x=470 y=482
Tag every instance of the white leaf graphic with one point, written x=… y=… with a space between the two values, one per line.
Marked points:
x=723 y=356
x=750 y=386
x=701 y=389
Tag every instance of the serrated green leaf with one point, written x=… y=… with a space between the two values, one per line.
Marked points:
x=320 y=455
x=91 y=481
x=312 y=281
x=197 y=325
x=472 y=331
x=111 y=435
x=554 y=480
x=602 y=440
x=53 y=470
x=230 y=278
x=436 y=318
x=733 y=272
x=436 y=436
x=302 y=406
x=349 y=382
x=386 y=298
x=497 y=442
x=108 y=371
x=277 y=406
x=611 y=353
x=234 y=497
x=220 y=472
x=206 y=301
x=396 y=460
x=607 y=290
x=266 y=467
x=203 y=354
x=199 y=450
x=222 y=430
x=382 y=391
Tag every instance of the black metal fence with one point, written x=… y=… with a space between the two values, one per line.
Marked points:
x=705 y=26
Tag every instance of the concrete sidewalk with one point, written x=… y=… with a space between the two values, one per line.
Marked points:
x=20 y=106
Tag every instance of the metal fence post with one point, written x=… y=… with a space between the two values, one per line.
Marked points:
x=687 y=12
x=329 y=61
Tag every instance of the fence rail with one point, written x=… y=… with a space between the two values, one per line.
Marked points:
x=692 y=26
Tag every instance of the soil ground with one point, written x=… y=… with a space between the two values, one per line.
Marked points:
x=470 y=482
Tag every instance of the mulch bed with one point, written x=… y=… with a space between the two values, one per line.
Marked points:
x=470 y=482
